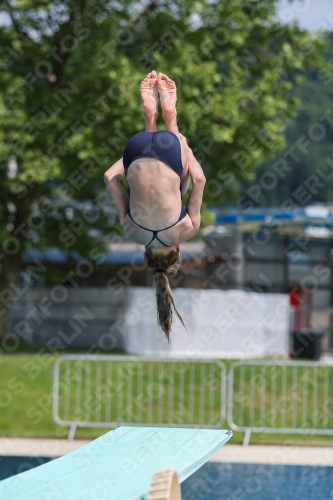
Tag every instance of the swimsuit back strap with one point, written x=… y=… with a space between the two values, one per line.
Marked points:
x=155 y=237
x=151 y=230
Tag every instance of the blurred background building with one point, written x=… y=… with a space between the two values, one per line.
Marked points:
x=265 y=251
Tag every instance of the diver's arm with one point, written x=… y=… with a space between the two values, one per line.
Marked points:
x=119 y=197
x=198 y=184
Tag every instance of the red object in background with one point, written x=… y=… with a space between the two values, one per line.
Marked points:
x=295 y=297
x=300 y=303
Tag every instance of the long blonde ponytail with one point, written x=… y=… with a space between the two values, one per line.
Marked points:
x=160 y=266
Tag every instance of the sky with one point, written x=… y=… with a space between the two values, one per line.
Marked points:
x=310 y=14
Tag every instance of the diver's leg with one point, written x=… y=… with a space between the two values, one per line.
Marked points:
x=168 y=97
x=148 y=91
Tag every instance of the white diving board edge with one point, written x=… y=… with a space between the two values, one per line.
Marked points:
x=119 y=465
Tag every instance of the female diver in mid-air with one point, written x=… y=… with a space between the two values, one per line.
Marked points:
x=158 y=167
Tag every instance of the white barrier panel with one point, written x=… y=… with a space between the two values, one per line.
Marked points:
x=107 y=391
x=280 y=397
x=228 y=324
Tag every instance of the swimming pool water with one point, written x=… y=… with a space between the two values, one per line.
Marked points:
x=220 y=481
x=9 y=466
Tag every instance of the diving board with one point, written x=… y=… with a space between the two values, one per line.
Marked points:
x=118 y=466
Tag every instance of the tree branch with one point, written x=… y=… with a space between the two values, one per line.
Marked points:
x=11 y=14
x=23 y=34
x=83 y=6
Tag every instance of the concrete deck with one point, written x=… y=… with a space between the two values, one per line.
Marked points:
x=274 y=455
x=38 y=447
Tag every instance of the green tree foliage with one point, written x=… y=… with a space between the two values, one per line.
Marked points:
x=69 y=101
x=307 y=177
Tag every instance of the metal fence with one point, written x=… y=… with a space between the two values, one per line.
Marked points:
x=286 y=397
x=107 y=391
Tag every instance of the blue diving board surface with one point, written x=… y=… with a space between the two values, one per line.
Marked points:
x=118 y=465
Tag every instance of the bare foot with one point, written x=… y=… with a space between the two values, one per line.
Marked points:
x=148 y=90
x=168 y=96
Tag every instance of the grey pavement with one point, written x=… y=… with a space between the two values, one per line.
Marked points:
x=230 y=453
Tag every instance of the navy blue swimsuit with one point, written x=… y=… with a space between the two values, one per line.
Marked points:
x=163 y=146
